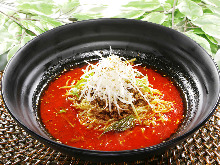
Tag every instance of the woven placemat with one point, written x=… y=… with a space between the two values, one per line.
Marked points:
x=18 y=147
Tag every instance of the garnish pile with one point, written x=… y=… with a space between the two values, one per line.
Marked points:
x=114 y=96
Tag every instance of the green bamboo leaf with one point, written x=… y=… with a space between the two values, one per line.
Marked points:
x=206 y=10
x=197 y=1
x=168 y=21
x=214 y=9
x=86 y=16
x=130 y=14
x=190 y=9
x=97 y=9
x=2 y=19
x=47 y=22
x=164 y=7
x=31 y=1
x=4 y=33
x=211 y=39
x=215 y=3
x=26 y=39
x=69 y=6
x=207 y=19
x=31 y=28
x=214 y=47
x=179 y=18
x=5 y=46
x=155 y=17
x=170 y=2
x=147 y=5
x=37 y=7
x=210 y=24
x=7 y=40
x=30 y=32
x=213 y=30
x=198 y=31
x=14 y=29
x=200 y=40
x=12 y=51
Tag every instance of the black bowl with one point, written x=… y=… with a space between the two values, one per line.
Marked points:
x=165 y=49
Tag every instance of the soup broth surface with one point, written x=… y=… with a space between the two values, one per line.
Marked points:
x=61 y=121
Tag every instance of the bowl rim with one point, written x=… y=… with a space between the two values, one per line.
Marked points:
x=167 y=143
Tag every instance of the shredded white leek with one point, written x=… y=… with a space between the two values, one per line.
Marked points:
x=111 y=80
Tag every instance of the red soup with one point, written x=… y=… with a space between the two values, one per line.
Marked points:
x=61 y=120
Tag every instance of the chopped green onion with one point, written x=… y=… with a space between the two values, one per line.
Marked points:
x=62 y=111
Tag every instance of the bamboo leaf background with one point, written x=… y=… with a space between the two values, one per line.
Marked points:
x=22 y=20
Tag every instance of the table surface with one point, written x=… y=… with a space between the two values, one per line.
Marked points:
x=18 y=147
